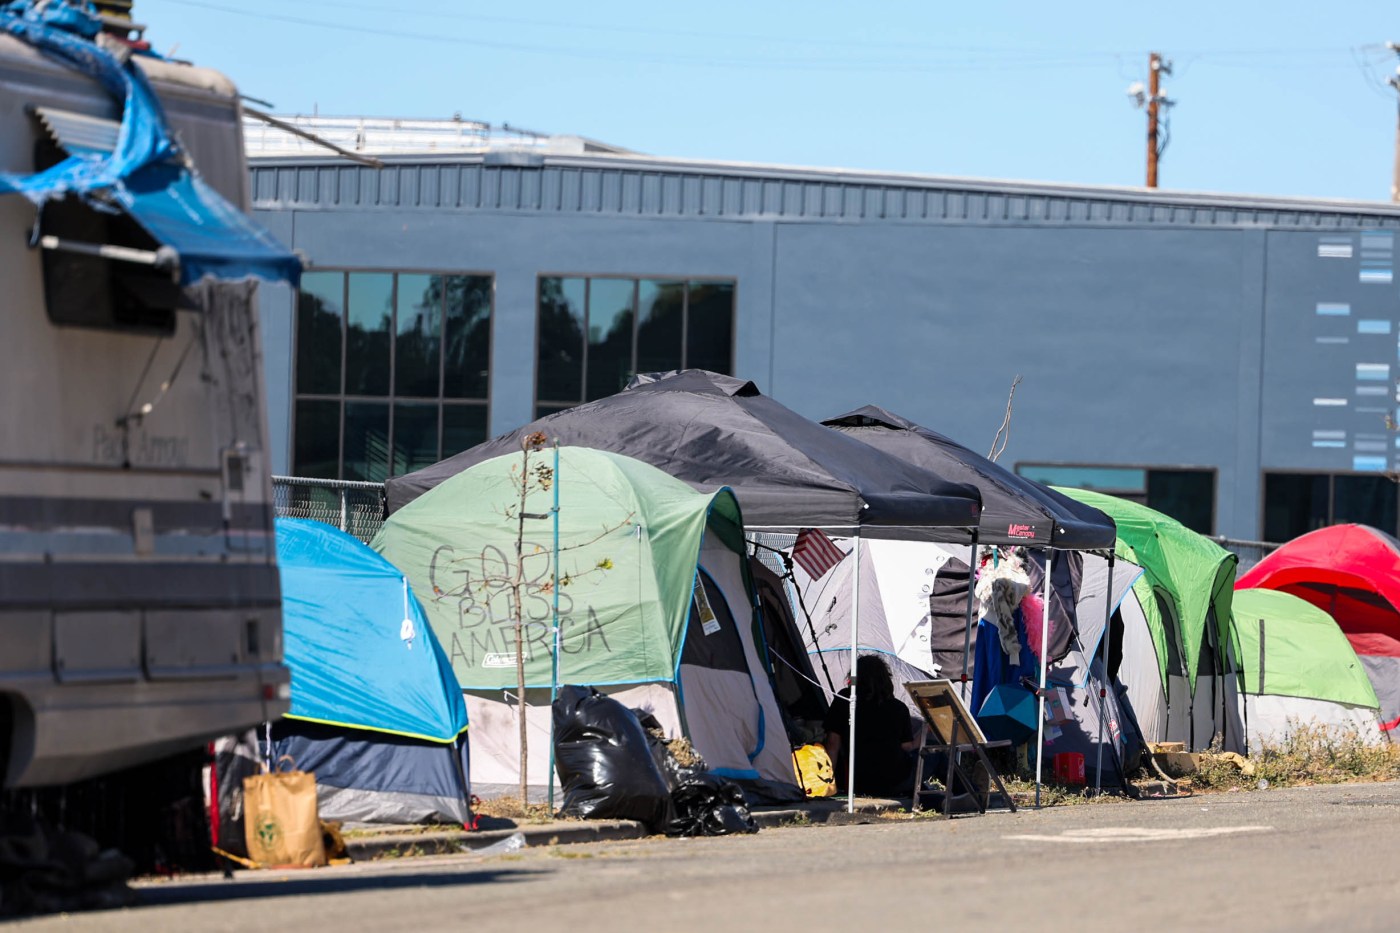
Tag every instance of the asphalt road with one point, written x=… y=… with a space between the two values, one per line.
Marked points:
x=1301 y=859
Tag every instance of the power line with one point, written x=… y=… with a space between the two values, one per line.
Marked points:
x=970 y=60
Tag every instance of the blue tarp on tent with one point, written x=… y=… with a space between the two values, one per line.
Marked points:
x=376 y=711
x=145 y=174
x=361 y=651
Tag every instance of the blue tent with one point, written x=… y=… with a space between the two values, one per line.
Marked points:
x=376 y=712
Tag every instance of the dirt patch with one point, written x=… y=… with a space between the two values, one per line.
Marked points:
x=511 y=808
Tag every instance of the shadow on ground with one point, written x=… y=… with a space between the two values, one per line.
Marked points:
x=303 y=884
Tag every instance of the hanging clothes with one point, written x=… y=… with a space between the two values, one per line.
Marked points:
x=993 y=666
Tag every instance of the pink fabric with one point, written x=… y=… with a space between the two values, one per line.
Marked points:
x=1032 y=611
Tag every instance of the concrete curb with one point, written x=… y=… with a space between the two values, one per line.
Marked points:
x=453 y=842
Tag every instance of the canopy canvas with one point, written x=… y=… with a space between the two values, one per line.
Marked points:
x=1015 y=510
x=1351 y=572
x=656 y=605
x=712 y=430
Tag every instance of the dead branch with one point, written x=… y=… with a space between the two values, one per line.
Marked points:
x=1003 y=434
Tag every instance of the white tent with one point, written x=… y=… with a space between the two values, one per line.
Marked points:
x=900 y=580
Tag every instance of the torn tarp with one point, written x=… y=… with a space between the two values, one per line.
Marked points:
x=144 y=173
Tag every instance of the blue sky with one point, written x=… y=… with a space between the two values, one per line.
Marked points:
x=1283 y=97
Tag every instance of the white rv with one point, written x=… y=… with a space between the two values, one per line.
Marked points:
x=139 y=600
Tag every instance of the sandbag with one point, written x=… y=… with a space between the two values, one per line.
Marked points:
x=604 y=761
x=281 y=826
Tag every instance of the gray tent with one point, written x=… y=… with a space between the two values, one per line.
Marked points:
x=712 y=430
x=1079 y=676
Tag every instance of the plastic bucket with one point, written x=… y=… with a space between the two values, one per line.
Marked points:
x=1069 y=767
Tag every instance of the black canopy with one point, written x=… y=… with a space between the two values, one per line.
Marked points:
x=1015 y=510
x=711 y=430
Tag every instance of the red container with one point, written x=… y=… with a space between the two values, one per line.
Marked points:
x=1069 y=767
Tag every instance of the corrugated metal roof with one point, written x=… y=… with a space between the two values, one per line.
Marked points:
x=647 y=186
x=381 y=136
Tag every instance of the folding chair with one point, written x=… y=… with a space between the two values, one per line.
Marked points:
x=948 y=727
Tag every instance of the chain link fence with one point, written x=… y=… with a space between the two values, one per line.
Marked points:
x=357 y=508
x=1249 y=552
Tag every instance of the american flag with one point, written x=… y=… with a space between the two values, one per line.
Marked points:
x=816 y=553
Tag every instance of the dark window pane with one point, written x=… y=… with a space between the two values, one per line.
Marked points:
x=710 y=327
x=415 y=437
x=370 y=301
x=559 y=371
x=609 y=336
x=319 y=307
x=1186 y=495
x=317 y=445
x=1367 y=500
x=660 y=326
x=1119 y=481
x=419 y=335
x=466 y=373
x=463 y=427
x=1294 y=504
x=366 y=441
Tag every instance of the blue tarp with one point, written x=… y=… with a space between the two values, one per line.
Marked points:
x=355 y=661
x=146 y=175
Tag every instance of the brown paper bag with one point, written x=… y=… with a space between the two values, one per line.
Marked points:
x=280 y=821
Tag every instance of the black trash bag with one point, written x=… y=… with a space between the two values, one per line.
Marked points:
x=709 y=805
x=604 y=761
x=675 y=773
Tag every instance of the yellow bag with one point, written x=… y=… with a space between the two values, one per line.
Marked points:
x=280 y=822
x=815 y=774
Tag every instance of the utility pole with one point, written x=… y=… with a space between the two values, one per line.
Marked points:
x=1155 y=100
x=1394 y=81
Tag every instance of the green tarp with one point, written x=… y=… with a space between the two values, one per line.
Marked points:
x=630 y=540
x=1190 y=571
x=1288 y=647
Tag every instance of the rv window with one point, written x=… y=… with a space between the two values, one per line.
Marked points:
x=84 y=290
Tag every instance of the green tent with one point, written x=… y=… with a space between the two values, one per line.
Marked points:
x=656 y=604
x=1290 y=648
x=1185 y=574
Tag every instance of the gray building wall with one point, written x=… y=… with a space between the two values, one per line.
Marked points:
x=1149 y=329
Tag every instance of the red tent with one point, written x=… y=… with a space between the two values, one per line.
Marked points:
x=1353 y=573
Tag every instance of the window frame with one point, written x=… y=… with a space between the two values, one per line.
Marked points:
x=636 y=279
x=1213 y=471
x=392 y=399
x=1393 y=529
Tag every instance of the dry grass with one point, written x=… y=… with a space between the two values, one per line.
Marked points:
x=1053 y=794
x=1308 y=755
x=510 y=807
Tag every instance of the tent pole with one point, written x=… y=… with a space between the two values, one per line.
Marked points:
x=1105 y=681
x=851 y=703
x=554 y=653
x=1044 y=671
x=967 y=627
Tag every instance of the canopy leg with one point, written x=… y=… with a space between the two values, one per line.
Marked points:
x=855 y=645
x=1106 y=681
x=1044 y=671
